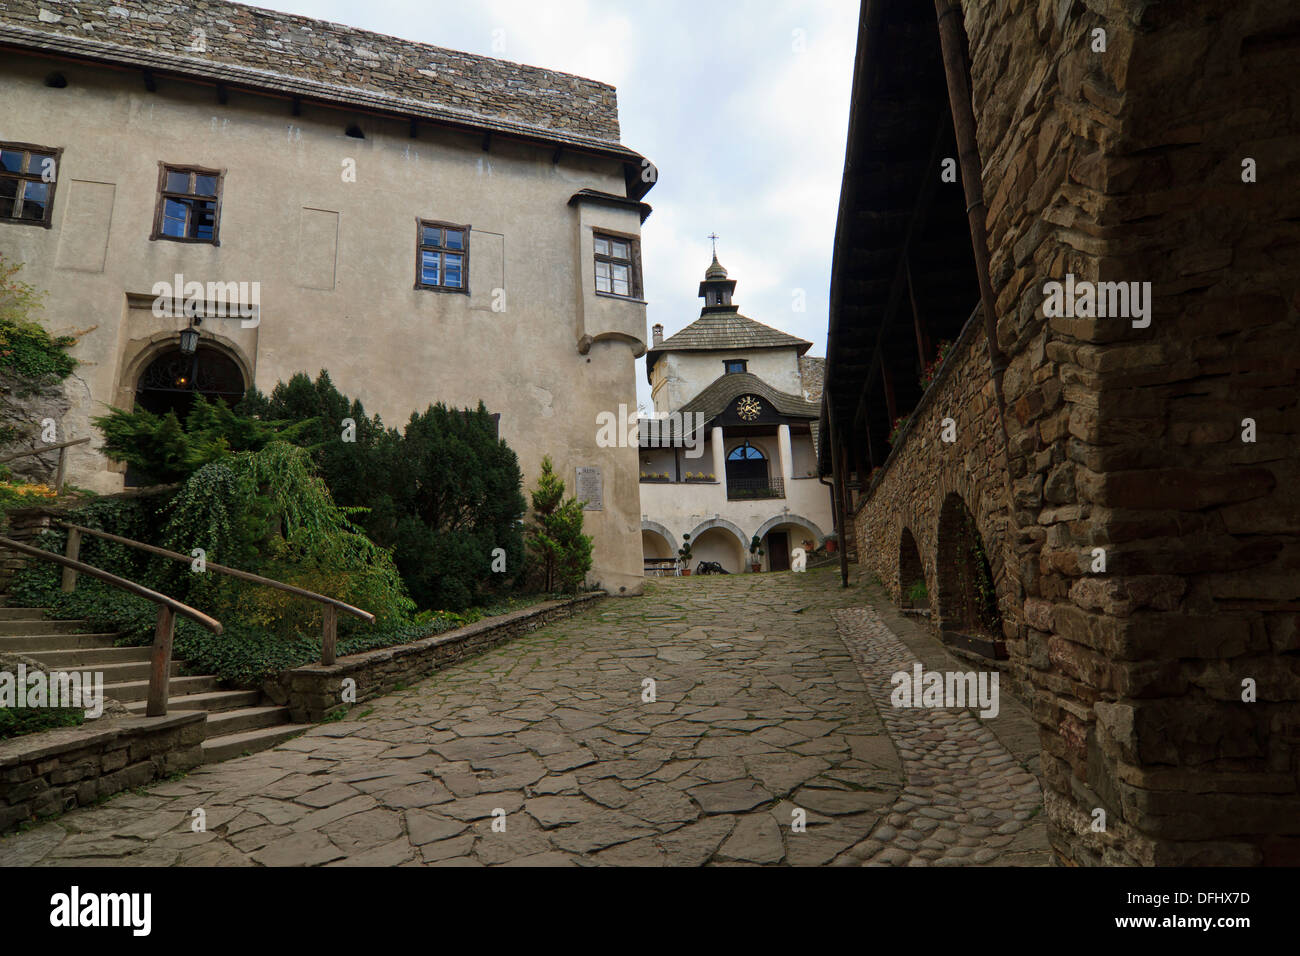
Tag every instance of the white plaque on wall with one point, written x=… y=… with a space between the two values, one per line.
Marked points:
x=589 y=488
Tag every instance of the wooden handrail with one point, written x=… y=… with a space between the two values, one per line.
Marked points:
x=41 y=451
x=329 y=611
x=61 y=448
x=164 y=631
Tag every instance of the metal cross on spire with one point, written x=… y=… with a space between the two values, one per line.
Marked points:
x=714 y=237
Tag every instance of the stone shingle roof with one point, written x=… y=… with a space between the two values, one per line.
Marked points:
x=725 y=388
x=725 y=332
x=715 y=399
x=315 y=59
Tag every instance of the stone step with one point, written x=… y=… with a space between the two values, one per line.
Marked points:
x=130 y=690
x=55 y=642
x=16 y=627
x=216 y=701
x=67 y=658
x=227 y=722
x=249 y=741
x=21 y=613
x=129 y=671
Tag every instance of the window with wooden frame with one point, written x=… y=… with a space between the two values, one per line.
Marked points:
x=27 y=178
x=189 y=204
x=732 y=366
x=618 y=265
x=442 y=256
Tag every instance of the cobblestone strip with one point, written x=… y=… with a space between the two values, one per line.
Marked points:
x=966 y=800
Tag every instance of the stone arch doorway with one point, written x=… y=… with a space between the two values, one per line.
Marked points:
x=746 y=467
x=910 y=572
x=171 y=380
x=967 y=595
x=656 y=541
x=718 y=544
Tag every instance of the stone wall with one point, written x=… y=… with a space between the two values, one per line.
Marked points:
x=1127 y=165
x=47 y=773
x=315 y=692
x=237 y=35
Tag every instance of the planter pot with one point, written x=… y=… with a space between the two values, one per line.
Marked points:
x=686 y=572
x=756 y=568
x=831 y=545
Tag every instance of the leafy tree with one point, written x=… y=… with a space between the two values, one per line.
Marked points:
x=556 y=537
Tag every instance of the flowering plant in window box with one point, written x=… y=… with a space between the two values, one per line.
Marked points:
x=899 y=422
x=931 y=370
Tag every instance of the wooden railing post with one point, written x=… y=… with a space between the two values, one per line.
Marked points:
x=72 y=551
x=329 y=638
x=161 y=670
x=62 y=470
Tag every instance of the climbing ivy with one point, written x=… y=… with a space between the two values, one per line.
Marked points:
x=26 y=349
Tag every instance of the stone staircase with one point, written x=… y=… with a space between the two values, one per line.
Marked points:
x=237 y=722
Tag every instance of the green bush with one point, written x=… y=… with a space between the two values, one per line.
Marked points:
x=918 y=594
x=164 y=451
x=441 y=495
x=26 y=349
x=16 y=721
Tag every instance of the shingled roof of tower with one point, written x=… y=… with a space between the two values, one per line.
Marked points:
x=241 y=46
x=725 y=331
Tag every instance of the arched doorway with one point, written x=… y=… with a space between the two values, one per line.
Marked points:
x=912 y=591
x=968 y=601
x=746 y=470
x=720 y=545
x=172 y=379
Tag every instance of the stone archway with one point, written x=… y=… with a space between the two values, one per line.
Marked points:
x=657 y=541
x=733 y=562
x=967 y=600
x=910 y=571
x=793 y=519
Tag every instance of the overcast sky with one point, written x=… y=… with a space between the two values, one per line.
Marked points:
x=741 y=104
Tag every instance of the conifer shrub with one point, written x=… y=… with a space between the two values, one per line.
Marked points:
x=555 y=537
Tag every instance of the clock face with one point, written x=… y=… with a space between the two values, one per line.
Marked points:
x=748 y=408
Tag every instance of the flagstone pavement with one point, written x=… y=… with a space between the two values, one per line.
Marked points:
x=759 y=741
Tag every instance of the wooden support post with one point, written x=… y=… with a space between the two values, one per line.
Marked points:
x=160 y=671
x=891 y=404
x=922 y=334
x=329 y=639
x=62 y=470
x=73 y=552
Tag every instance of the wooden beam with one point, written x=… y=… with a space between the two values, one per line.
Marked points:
x=919 y=212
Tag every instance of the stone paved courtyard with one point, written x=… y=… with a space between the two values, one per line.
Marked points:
x=761 y=711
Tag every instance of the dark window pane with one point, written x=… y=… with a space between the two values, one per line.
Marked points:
x=178 y=182
x=203 y=218
x=6 y=207
x=432 y=236
x=205 y=185
x=455 y=239
x=11 y=160
x=36 y=197
x=453 y=264
x=8 y=187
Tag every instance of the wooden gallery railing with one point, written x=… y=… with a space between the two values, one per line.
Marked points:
x=61 y=448
x=168 y=608
x=329 y=606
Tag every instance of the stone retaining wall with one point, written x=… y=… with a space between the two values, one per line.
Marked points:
x=1127 y=165
x=315 y=692
x=46 y=773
